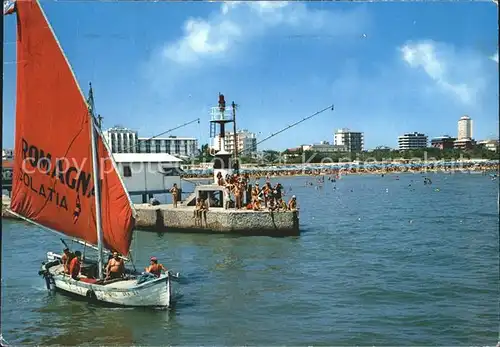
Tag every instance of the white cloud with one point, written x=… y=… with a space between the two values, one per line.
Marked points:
x=453 y=73
x=239 y=22
x=494 y=57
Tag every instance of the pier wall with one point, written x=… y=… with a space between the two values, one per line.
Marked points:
x=225 y=221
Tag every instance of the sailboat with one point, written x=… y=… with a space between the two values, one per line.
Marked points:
x=64 y=178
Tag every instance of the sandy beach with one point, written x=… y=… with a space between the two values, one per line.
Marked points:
x=297 y=170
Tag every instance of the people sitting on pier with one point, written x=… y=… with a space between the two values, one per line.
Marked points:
x=75 y=265
x=282 y=205
x=175 y=194
x=292 y=204
x=155 y=268
x=66 y=259
x=115 y=267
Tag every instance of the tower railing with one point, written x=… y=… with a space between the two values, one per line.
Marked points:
x=216 y=115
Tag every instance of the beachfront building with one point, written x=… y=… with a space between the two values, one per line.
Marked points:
x=443 y=142
x=353 y=141
x=413 y=140
x=7 y=154
x=491 y=145
x=464 y=128
x=184 y=147
x=123 y=140
x=466 y=143
x=247 y=142
x=324 y=147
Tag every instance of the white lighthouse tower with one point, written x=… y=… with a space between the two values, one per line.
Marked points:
x=222 y=159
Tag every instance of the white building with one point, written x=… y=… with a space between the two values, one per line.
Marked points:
x=324 y=147
x=412 y=141
x=247 y=142
x=148 y=173
x=179 y=146
x=464 y=128
x=7 y=154
x=352 y=140
x=491 y=145
x=123 y=140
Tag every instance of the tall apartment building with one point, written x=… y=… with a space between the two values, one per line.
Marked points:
x=464 y=128
x=412 y=141
x=247 y=142
x=353 y=141
x=123 y=140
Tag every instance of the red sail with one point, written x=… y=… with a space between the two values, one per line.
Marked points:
x=52 y=179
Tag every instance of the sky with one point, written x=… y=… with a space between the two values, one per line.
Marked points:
x=389 y=68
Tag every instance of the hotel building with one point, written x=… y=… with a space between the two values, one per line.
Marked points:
x=353 y=141
x=413 y=140
x=123 y=140
x=247 y=142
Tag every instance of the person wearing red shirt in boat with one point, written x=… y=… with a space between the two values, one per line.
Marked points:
x=155 y=268
x=66 y=259
x=115 y=267
x=74 y=265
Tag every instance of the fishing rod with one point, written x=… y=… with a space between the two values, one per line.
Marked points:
x=253 y=148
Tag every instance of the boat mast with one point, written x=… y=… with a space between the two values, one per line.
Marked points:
x=97 y=187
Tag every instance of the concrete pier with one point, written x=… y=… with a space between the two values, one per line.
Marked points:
x=166 y=218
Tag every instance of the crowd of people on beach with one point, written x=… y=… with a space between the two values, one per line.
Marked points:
x=362 y=169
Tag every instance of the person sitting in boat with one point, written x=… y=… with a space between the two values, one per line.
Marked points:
x=292 y=204
x=66 y=259
x=75 y=265
x=115 y=267
x=155 y=268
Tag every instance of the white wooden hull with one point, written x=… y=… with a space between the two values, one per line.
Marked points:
x=153 y=293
